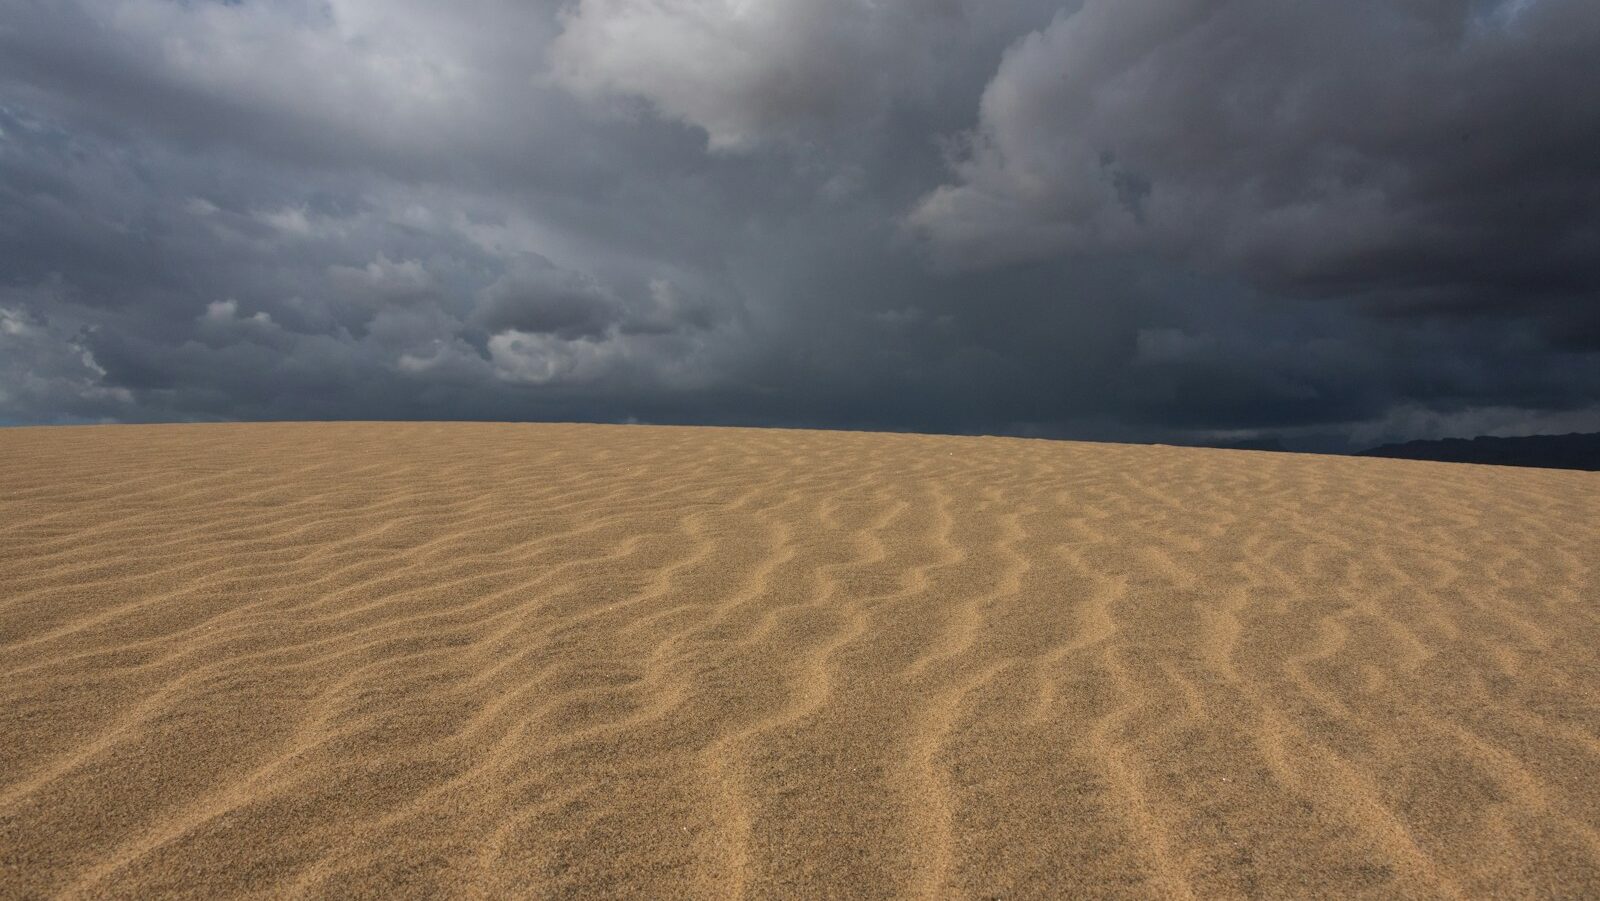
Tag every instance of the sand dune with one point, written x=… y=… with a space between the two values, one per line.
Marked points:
x=525 y=660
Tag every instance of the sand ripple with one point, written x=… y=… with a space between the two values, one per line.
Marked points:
x=491 y=660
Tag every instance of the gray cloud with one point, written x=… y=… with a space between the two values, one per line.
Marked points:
x=788 y=70
x=1148 y=221
x=1436 y=153
x=548 y=301
x=50 y=373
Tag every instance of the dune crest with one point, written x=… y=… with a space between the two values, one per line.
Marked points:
x=562 y=660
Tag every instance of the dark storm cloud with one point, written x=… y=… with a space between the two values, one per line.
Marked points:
x=1439 y=154
x=547 y=301
x=1172 y=220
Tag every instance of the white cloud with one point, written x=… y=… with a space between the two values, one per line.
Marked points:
x=542 y=359
x=383 y=281
x=748 y=72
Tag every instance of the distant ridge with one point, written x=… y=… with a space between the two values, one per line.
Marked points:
x=1573 y=451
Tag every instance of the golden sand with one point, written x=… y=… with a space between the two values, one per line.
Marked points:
x=524 y=660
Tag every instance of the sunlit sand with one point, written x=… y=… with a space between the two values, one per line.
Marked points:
x=604 y=661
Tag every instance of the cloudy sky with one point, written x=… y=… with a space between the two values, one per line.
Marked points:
x=1334 y=224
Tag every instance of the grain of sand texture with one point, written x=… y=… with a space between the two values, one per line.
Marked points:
x=392 y=660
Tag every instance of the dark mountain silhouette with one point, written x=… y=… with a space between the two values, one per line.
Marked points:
x=1574 y=451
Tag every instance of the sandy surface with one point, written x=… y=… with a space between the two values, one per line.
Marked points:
x=489 y=660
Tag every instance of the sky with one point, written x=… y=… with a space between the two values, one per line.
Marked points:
x=1329 y=225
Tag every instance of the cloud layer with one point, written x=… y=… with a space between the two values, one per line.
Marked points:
x=1425 y=151
x=1146 y=219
